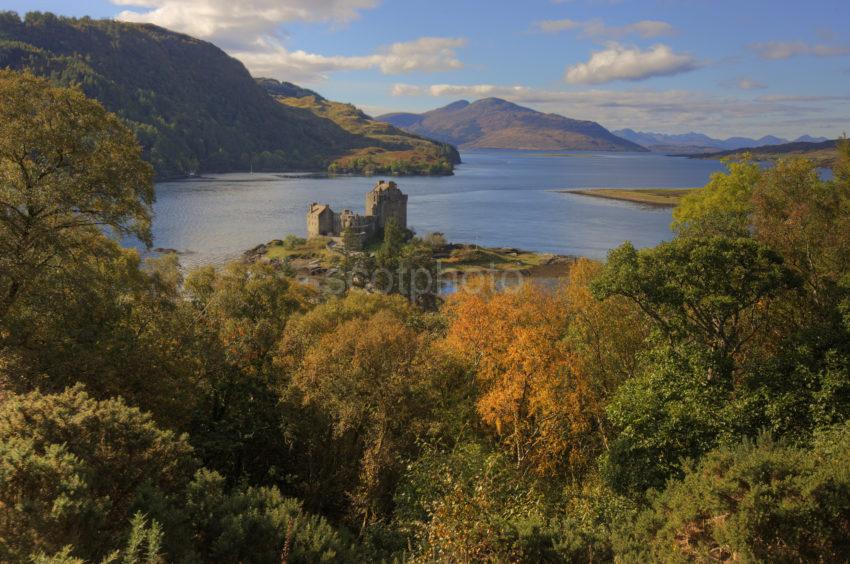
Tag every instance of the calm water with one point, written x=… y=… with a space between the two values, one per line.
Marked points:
x=496 y=198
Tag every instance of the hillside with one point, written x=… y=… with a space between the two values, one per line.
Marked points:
x=823 y=153
x=393 y=151
x=498 y=124
x=194 y=108
x=694 y=142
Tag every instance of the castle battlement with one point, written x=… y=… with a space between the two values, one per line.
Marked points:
x=383 y=202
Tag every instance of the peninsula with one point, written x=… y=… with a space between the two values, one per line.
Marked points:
x=655 y=197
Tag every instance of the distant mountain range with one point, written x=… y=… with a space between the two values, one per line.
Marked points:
x=195 y=109
x=494 y=123
x=701 y=143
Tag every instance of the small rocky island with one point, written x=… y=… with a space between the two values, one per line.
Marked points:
x=334 y=237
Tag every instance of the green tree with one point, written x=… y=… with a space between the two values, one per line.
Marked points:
x=67 y=168
x=394 y=239
x=757 y=502
x=240 y=313
x=73 y=471
x=723 y=206
x=257 y=525
x=713 y=292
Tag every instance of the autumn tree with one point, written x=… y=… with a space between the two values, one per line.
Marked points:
x=374 y=379
x=67 y=169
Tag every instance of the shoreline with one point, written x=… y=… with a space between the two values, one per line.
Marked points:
x=319 y=259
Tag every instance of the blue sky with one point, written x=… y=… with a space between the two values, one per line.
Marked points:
x=720 y=67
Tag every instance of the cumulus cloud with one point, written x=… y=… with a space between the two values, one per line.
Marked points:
x=617 y=62
x=238 y=20
x=249 y=31
x=462 y=90
x=597 y=28
x=668 y=110
x=426 y=54
x=429 y=54
x=779 y=50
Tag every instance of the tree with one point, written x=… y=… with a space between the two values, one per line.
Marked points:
x=240 y=313
x=723 y=206
x=546 y=364
x=806 y=220
x=366 y=376
x=760 y=501
x=512 y=341
x=74 y=470
x=713 y=292
x=370 y=379
x=394 y=239
x=257 y=525
x=67 y=169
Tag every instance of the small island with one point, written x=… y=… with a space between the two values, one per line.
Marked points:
x=334 y=238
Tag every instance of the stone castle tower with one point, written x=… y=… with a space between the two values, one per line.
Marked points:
x=383 y=202
x=386 y=201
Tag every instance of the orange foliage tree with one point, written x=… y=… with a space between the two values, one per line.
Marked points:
x=545 y=363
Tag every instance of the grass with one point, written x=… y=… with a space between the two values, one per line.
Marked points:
x=661 y=197
x=474 y=259
x=311 y=249
x=468 y=259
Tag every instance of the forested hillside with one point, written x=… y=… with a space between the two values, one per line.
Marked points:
x=394 y=152
x=683 y=403
x=193 y=108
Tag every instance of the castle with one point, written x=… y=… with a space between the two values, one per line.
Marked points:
x=385 y=201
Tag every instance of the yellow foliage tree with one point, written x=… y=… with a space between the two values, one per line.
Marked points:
x=545 y=363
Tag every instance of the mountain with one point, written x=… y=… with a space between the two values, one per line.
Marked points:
x=822 y=153
x=402 y=153
x=498 y=124
x=700 y=143
x=192 y=107
x=810 y=139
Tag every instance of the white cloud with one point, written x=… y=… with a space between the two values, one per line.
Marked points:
x=778 y=50
x=429 y=54
x=249 y=31
x=623 y=63
x=426 y=54
x=663 y=110
x=238 y=20
x=461 y=90
x=749 y=84
x=597 y=28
